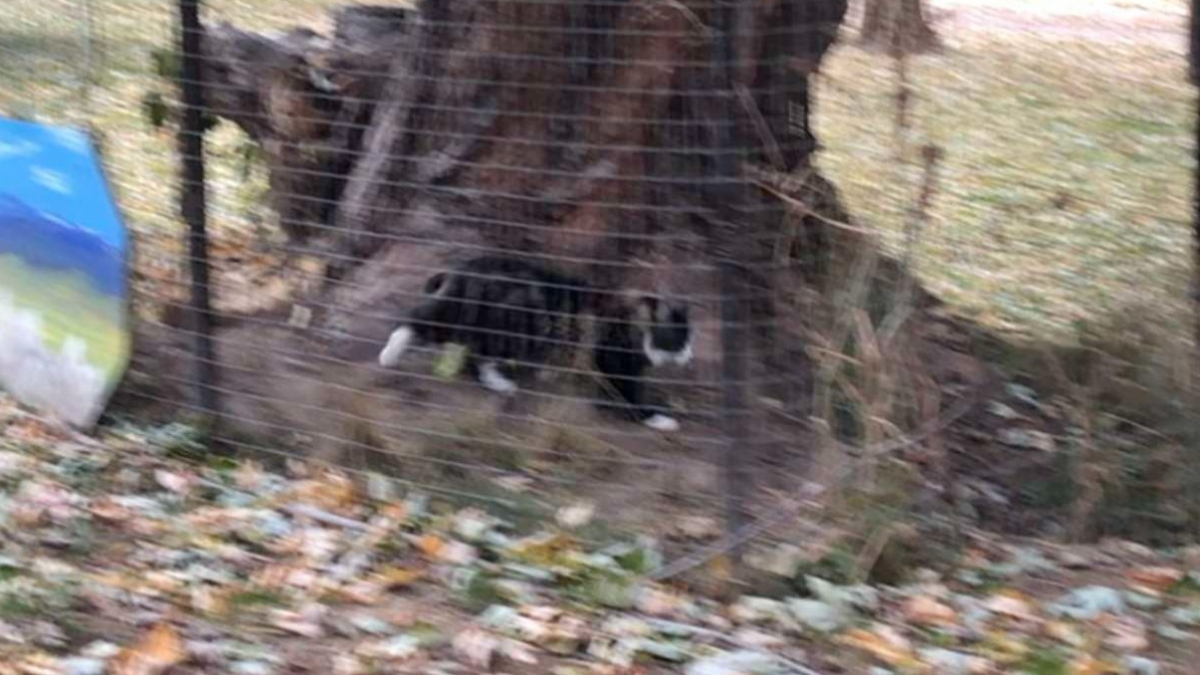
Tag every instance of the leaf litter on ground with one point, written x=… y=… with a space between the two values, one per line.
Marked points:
x=119 y=557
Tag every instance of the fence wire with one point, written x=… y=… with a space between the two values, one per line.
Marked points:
x=940 y=259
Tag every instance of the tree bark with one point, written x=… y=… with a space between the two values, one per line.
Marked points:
x=898 y=27
x=582 y=135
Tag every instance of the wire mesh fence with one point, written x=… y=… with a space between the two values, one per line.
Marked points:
x=680 y=260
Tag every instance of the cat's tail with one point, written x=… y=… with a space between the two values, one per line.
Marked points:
x=397 y=343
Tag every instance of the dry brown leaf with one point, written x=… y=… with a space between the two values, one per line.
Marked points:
x=927 y=611
x=207 y=600
x=179 y=483
x=160 y=649
x=658 y=602
x=458 y=553
x=1011 y=604
x=330 y=490
x=32 y=431
x=1090 y=665
x=518 y=652
x=248 y=476
x=1065 y=633
x=475 y=647
x=398 y=577
x=274 y=577
x=306 y=622
x=892 y=652
x=576 y=515
x=1004 y=648
x=1153 y=580
x=162 y=582
x=697 y=527
x=1127 y=634
x=109 y=510
x=431 y=545
x=361 y=592
x=547 y=613
x=39 y=664
x=396 y=512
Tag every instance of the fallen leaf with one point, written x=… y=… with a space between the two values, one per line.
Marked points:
x=1136 y=665
x=517 y=652
x=883 y=644
x=1027 y=438
x=657 y=602
x=475 y=647
x=306 y=622
x=1127 y=634
x=1088 y=603
x=361 y=592
x=160 y=649
x=817 y=615
x=398 y=577
x=431 y=545
x=744 y=662
x=395 y=649
x=348 y=664
x=457 y=553
x=175 y=482
x=514 y=483
x=1064 y=633
x=575 y=515
x=1153 y=580
x=1090 y=665
x=248 y=476
x=945 y=661
x=927 y=611
x=1012 y=605
x=40 y=664
x=109 y=510
x=330 y=490
x=394 y=512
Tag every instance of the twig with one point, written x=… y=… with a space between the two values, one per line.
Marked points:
x=762 y=128
x=796 y=203
x=322 y=516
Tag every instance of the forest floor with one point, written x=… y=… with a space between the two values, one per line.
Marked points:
x=132 y=554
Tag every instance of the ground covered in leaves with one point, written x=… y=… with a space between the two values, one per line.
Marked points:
x=129 y=554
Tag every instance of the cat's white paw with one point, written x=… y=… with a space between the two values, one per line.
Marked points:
x=684 y=357
x=399 y=341
x=491 y=377
x=661 y=423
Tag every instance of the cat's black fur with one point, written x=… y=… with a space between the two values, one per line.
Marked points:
x=506 y=310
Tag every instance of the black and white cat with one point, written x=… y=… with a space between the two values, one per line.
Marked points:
x=506 y=310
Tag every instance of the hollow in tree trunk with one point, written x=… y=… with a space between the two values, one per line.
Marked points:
x=897 y=27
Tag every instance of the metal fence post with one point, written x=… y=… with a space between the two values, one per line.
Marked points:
x=193 y=201
x=731 y=273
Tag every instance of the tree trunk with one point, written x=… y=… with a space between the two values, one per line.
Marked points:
x=582 y=135
x=897 y=27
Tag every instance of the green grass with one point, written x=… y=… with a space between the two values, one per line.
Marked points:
x=1066 y=181
x=68 y=306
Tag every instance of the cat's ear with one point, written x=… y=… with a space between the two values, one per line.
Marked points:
x=680 y=313
x=646 y=309
x=437 y=285
x=662 y=312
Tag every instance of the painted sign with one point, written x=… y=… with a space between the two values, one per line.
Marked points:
x=64 y=324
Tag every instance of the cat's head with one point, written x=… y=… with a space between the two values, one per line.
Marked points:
x=666 y=330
